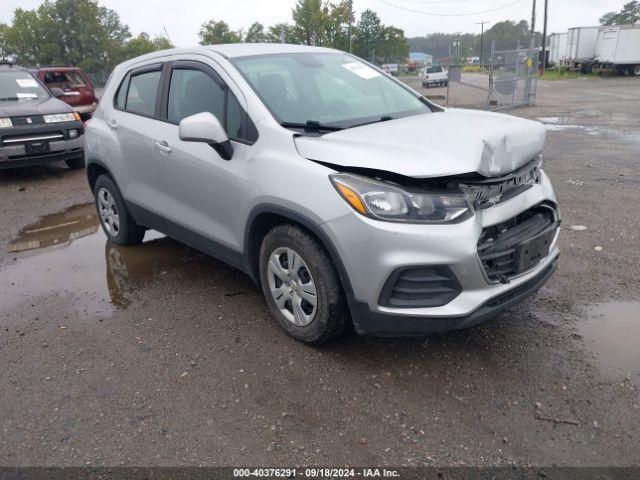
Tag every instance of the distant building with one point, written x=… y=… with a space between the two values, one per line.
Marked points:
x=419 y=60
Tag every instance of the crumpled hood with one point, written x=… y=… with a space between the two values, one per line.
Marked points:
x=452 y=142
x=20 y=108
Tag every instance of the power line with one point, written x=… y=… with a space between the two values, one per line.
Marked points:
x=450 y=14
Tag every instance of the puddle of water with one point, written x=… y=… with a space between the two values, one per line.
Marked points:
x=67 y=254
x=558 y=124
x=552 y=119
x=612 y=332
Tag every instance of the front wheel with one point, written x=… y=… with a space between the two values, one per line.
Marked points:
x=301 y=285
x=116 y=221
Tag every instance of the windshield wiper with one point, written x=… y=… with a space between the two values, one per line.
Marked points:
x=312 y=125
x=3 y=99
x=384 y=118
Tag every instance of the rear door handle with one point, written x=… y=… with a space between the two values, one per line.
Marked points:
x=112 y=123
x=163 y=147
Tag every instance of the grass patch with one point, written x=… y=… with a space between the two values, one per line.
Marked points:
x=565 y=74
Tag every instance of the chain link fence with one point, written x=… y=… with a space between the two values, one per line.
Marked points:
x=508 y=80
x=513 y=78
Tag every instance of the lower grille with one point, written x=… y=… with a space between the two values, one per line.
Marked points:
x=519 y=244
x=415 y=287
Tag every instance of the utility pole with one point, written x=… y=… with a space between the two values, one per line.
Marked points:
x=482 y=43
x=533 y=24
x=457 y=47
x=544 y=38
x=350 y=22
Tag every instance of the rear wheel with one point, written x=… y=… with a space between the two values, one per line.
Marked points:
x=116 y=221
x=636 y=71
x=301 y=285
x=75 y=163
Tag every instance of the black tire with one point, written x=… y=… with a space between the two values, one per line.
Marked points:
x=128 y=232
x=75 y=163
x=331 y=311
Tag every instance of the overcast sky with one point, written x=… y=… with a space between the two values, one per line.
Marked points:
x=182 y=18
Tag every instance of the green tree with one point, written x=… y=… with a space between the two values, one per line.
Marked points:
x=143 y=43
x=5 y=49
x=256 y=34
x=393 y=46
x=73 y=32
x=337 y=26
x=629 y=14
x=507 y=35
x=311 y=19
x=290 y=36
x=368 y=34
x=215 y=32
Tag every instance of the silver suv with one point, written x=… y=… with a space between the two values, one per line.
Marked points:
x=345 y=194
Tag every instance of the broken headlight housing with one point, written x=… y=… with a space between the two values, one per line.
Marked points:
x=391 y=203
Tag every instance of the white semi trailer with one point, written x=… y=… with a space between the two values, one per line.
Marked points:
x=581 y=47
x=618 y=50
x=558 y=48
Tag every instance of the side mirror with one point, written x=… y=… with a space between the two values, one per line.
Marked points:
x=206 y=128
x=57 y=92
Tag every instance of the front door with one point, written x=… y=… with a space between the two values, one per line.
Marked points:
x=203 y=191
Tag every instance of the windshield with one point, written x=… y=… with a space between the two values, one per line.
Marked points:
x=20 y=85
x=326 y=88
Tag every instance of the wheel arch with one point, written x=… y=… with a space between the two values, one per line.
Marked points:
x=265 y=217
x=95 y=168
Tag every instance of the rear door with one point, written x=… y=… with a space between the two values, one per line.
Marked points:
x=133 y=121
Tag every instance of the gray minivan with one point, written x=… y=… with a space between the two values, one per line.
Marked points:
x=346 y=195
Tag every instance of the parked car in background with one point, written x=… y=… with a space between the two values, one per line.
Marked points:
x=345 y=194
x=391 y=68
x=435 y=75
x=76 y=86
x=36 y=127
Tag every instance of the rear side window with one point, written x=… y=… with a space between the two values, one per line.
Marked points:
x=142 y=91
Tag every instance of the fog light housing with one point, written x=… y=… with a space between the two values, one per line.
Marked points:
x=420 y=287
x=73 y=133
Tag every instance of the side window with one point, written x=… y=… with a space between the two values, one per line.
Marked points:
x=121 y=96
x=193 y=91
x=234 y=117
x=141 y=94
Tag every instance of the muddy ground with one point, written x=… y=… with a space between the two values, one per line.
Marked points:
x=158 y=355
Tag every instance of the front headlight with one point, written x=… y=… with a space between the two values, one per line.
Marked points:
x=387 y=202
x=6 y=122
x=61 y=117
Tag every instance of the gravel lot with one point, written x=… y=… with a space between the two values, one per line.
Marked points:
x=158 y=355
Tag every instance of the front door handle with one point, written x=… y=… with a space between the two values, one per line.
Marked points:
x=163 y=147
x=112 y=123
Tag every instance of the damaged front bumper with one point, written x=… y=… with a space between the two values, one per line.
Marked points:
x=373 y=250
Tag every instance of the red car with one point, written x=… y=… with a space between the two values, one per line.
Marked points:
x=76 y=86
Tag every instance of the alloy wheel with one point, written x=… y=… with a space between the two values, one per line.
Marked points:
x=108 y=212
x=292 y=287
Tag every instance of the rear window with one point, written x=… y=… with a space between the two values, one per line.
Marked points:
x=434 y=69
x=138 y=92
x=64 y=80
